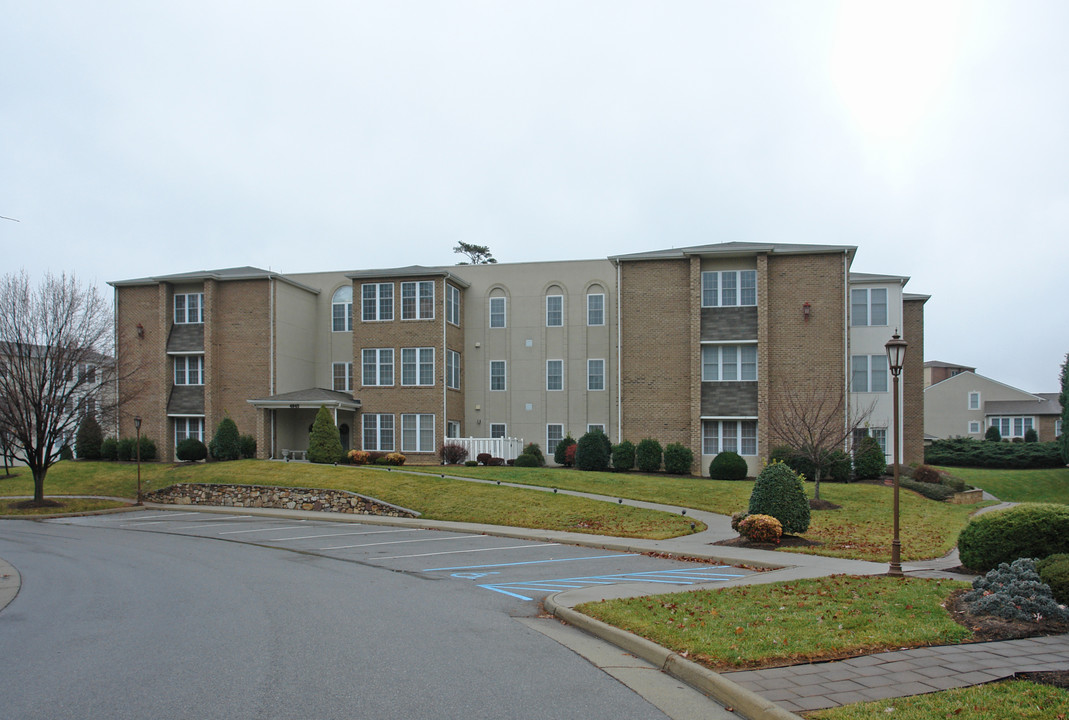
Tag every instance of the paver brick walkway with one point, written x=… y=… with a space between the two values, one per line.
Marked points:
x=902 y=672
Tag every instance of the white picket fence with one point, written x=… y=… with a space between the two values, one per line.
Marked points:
x=507 y=448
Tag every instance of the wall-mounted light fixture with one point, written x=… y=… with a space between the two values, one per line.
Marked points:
x=140 y=330
x=805 y=311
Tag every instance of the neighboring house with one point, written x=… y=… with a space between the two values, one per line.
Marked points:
x=938 y=371
x=687 y=345
x=967 y=404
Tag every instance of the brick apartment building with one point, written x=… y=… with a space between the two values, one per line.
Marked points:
x=692 y=345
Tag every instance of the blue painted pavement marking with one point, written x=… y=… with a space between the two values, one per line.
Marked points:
x=685 y=576
x=531 y=562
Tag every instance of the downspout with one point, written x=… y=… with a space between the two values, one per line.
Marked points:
x=846 y=349
x=619 y=359
x=115 y=344
x=271 y=356
x=445 y=359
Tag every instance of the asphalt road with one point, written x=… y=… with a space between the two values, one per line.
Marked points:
x=162 y=615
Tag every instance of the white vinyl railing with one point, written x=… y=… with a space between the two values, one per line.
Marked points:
x=506 y=448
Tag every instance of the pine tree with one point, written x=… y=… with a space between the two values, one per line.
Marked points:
x=90 y=436
x=324 y=442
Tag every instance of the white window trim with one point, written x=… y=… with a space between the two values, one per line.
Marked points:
x=972 y=394
x=551 y=443
x=379 y=365
x=347 y=309
x=592 y=426
x=720 y=434
x=504 y=376
x=420 y=351
x=420 y=419
x=504 y=429
x=378 y=314
x=720 y=345
x=452 y=429
x=185 y=422
x=975 y=427
x=418 y=287
x=590 y=376
x=588 y=297
x=452 y=370
x=1025 y=426
x=855 y=321
x=868 y=375
x=185 y=308
x=561 y=298
x=452 y=304
x=379 y=432
x=561 y=376
x=186 y=359
x=719 y=299
x=348 y=377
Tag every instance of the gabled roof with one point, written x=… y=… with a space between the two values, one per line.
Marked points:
x=1040 y=406
x=246 y=272
x=737 y=249
x=409 y=271
x=308 y=398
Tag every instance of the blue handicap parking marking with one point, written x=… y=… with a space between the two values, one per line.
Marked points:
x=683 y=576
x=473 y=575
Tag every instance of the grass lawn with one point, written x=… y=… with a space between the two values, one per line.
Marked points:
x=436 y=498
x=1015 y=698
x=67 y=505
x=1048 y=485
x=790 y=622
x=861 y=530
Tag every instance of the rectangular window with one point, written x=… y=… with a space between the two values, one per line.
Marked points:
x=729 y=288
x=497 y=374
x=189 y=370
x=974 y=427
x=554 y=310
x=497 y=312
x=189 y=308
x=595 y=309
x=417 y=433
x=377 y=366
x=343 y=376
x=417 y=366
x=188 y=427
x=592 y=427
x=868 y=373
x=868 y=306
x=554 y=374
x=554 y=434
x=739 y=436
x=452 y=304
x=452 y=369
x=974 y=401
x=595 y=374
x=378 y=432
x=1013 y=427
x=498 y=430
x=452 y=428
x=417 y=300
x=376 y=301
x=880 y=435
x=725 y=363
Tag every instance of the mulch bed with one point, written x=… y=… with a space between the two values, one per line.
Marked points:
x=785 y=541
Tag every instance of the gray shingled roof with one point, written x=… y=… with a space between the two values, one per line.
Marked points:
x=408 y=271
x=310 y=397
x=1022 y=407
x=186 y=400
x=736 y=248
x=186 y=338
x=237 y=273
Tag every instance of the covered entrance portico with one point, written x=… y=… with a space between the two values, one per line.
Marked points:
x=284 y=422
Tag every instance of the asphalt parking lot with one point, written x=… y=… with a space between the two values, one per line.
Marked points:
x=520 y=570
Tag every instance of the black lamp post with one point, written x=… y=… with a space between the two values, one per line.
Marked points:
x=896 y=352
x=137 y=426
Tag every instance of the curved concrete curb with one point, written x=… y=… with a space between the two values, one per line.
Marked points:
x=745 y=702
x=10 y=583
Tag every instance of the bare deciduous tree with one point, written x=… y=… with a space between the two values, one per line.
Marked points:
x=54 y=343
x=814 y=423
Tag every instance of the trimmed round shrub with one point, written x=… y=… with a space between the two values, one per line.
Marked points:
x=358 y=457
x=592 y=452
x=498 y=462
x=526 y=460
x=560 y=453
x=869 y=460
x=678 y=459
x=247 y=443
x=728 y=466
x=90 y=436
x=993 y=435
x=761 y=528
x=471 y=463
x=124 y=449
x=226 y=443
x=324 y=442
x=738 y=517
x=191 y=450
x=533 y=449
x=452 y=454
x=483 y=458
x=778 y=492
x=925 y=474
x=648 y=456
x=1054 y=570
x=1033 y=530
x=148 y=448
x=109 y=449
x=395 y=458
x=623 y=456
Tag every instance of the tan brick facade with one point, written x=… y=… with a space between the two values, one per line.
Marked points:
x=144 y=371
x=913 y=381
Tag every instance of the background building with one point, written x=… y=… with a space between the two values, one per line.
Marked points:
x=694 y=345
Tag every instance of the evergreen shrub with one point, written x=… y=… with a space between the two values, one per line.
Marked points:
x=1031 y=436
x=226 y=443
x=970 y=452
x=678 y=459
x=247 y=444
x=993 y=435
x=324 y=442
x=1054 y=570
x=89 y=438
x=593 y=452
x=191 y=450
x=483 y=458
x=1014 y=592
x=623 y=456
x=1033 y=530
x=526 y=460
x=869 y=460
x=728 y=466
x=560 y=453
x=109 y=449
x=648 y=456
x=778 y=492
x=533 y=449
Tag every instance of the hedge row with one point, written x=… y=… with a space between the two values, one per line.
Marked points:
x=970 y=452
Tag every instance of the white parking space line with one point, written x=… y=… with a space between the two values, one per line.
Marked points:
x=169 y=518
x=161 y=513
x=323 y=535
x=270 y=529
x=457 y=552
x=401 y=542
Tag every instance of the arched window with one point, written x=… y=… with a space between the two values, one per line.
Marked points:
x=342 y=309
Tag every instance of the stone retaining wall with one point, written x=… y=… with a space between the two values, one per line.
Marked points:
x=257 y=496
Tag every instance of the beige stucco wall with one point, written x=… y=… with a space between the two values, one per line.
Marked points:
x=946 y=404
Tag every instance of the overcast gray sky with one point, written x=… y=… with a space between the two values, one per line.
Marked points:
x=145 y=138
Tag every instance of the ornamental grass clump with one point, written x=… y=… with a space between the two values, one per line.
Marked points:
x=1014 y=591
x=778 y=492
x=761 y=528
